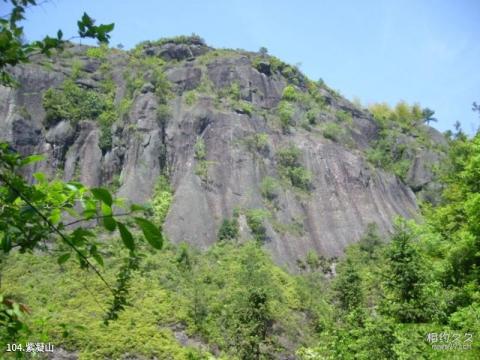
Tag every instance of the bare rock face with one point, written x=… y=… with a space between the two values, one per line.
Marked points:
x=262 y=90
x=346 y=193
x=185 y=78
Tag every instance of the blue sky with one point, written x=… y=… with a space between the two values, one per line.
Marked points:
x=413 y=50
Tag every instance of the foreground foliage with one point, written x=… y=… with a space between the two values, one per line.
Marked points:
x=232 y=301
x=57 y=218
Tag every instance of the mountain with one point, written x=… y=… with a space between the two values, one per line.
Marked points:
x=239 y=135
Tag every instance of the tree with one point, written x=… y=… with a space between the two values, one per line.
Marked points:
x=371 y=240
x=255 y=320
x=476 y=107
x=405 y=277
x=348 y=287
x=228 y=230
x=14 y=50
x=251 y=319
x=427 y=115
x=263 y=51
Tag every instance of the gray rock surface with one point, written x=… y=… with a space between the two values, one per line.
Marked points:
x=172 y=51
x=62 y=354
x=346 y=194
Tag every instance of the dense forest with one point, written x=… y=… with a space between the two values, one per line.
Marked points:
x=96 y=276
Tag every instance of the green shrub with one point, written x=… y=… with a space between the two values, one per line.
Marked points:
x=257 y=142
x=403 y=116
x=190 y=97
x=99 y=52
x=133 y=82
x=386 y=153
x=389 y=150
x=285 y=112
x=76 y=69
x=73 y=103
x=291 y=73
x=289 y=156
x=163 y=113
x=143 y=69
x=305 y=125
x=234 y=91
x=200 y=149
x=105 y=69
x=290 y=168
x=290 y=93
x=108 y=86
x=371 y=241
x=201 y=169
x=269 y=188
x=228 y=230
x=124 y=107
x=333 y=132
x=401 y=168
x=162 y=86
x=246 y=107
x=311 y=116
x=200 y=154
x=161 y=200
x=300 y=177
x=255 y=218
x=344 y=116
x=192 y=39
x=106 y=120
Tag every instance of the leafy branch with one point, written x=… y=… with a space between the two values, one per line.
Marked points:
x=84 y=259
x=13 y=51
x=31 y=213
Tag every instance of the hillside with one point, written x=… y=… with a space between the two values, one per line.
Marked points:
x=277 y=196
x=237 y=135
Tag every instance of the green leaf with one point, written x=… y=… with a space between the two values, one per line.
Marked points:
x=126 y=235
x=40 y=177
x=102 y=195
x=151 y=232
x=63 y=258
x=55 y=216
x=108 y=220
x=6 y=243
x=109 y=223
x=95 y=254
x=74 y=185
x=106 y=210
x=80 y=235
x=31 y=159
x=137 y=207
x=89 y=213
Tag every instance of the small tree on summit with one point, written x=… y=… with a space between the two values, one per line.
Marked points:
x=428 y=116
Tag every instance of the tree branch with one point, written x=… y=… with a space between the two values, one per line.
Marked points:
x=57 y=231
x=97 y=218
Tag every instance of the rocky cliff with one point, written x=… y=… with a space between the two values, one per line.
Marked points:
x=237 y=134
